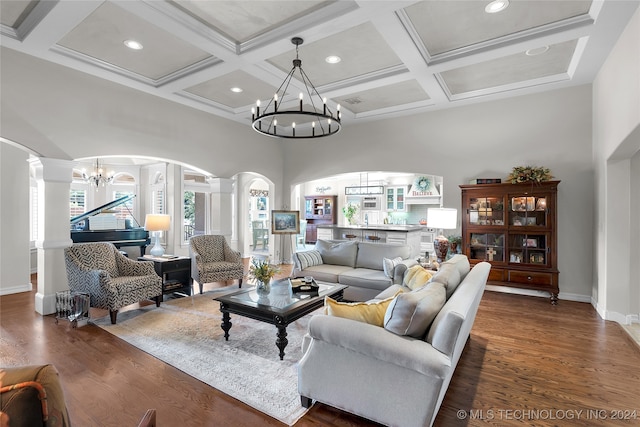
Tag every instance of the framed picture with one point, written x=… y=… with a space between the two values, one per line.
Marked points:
x=515 y=257
x=285 y=222
x=536 y=258
x=530 y=243
x=531 y=220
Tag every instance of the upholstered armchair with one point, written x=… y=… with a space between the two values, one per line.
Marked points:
x=111 y=279
x=213 y=260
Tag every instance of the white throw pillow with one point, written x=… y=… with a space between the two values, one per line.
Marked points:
x=389 y=265
x=307 y=259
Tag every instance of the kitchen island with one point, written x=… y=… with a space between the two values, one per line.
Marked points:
x=387 y=233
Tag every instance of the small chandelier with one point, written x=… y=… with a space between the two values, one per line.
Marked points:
x=97 y=177
x=314 y=121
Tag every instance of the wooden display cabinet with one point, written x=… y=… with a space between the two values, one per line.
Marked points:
x=318 y=210
x=513 y=227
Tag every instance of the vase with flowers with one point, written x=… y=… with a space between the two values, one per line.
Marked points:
x=262 y=272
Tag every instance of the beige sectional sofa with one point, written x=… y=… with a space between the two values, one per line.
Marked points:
x=360 y=265
x=395 y=375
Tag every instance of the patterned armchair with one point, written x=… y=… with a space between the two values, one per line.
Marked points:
x=111 y=279
x=213 y=260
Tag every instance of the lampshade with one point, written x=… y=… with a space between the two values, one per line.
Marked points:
x=157 y=222
x=444 y=218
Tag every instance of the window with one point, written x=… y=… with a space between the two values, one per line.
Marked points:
x=77 y=202
x=124 y=210
x=157 y=204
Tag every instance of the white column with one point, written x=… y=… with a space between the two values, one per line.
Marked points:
x=221 y=206
x=15 y=253
x=54 y=178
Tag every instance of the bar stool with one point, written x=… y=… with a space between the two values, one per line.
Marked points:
x=373 y=238
x=350 y=236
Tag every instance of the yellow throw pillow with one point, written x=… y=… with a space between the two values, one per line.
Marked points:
x=416 y=277
x=367 y=312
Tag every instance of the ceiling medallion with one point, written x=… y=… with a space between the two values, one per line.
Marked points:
x=97 y=177
x=310 y=117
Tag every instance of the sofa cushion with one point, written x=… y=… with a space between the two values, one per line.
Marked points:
x=388 y=265
x=338 y=253
x=370 y=255
x=449 y=276
x=416 y=277
x=367 y=312
x=306 y=259
x=325 y=272
x=411 y=313
x=365 y=278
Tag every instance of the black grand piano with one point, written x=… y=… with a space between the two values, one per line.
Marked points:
x=129 y=236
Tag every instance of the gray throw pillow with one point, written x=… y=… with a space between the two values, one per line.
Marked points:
x=338 y=253
x=411 y=313
x=449 y=276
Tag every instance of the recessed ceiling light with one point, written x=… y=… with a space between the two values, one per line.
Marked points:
x=333 y=59
x=132 y=44
x=537 y=51
x=236 y=89
x=496 y=6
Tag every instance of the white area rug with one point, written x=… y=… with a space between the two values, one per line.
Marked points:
x=186 y=334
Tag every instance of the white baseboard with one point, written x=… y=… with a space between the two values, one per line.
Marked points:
x=542 y=294
x=16 y=289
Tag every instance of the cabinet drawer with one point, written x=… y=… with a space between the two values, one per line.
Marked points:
x=180 y=264
x=496 y=275
x=524 y=277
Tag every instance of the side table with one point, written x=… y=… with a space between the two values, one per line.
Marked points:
x=175 y=273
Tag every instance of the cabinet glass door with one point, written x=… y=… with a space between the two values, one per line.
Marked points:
x=400 y=199
x=390 y=199
x=530 y=248
x=486 y=247
x=487 y=210
x=328 y=207
x=527 y=211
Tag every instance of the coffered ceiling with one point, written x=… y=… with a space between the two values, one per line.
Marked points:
x=397 y=57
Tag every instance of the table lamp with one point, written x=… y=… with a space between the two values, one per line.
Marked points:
x=443 y=219
x=157 y=223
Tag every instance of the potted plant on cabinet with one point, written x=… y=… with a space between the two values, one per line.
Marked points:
x=454 y=242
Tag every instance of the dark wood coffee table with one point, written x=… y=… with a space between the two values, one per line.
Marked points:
x=279 y=308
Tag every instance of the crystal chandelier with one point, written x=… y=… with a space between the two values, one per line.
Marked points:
x=310 y=117
x=97 y=177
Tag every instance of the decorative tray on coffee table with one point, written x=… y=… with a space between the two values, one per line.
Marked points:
x=298 y=284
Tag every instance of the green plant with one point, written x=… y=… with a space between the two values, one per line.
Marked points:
x=262 y=271
x=349 y=211
x=529 y=174
x=454 y=239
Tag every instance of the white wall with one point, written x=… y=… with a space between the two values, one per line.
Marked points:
x=616 y=140
x=551 y=129
x=14 y=220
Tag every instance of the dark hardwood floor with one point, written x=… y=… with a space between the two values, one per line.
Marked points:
x=526 y=363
